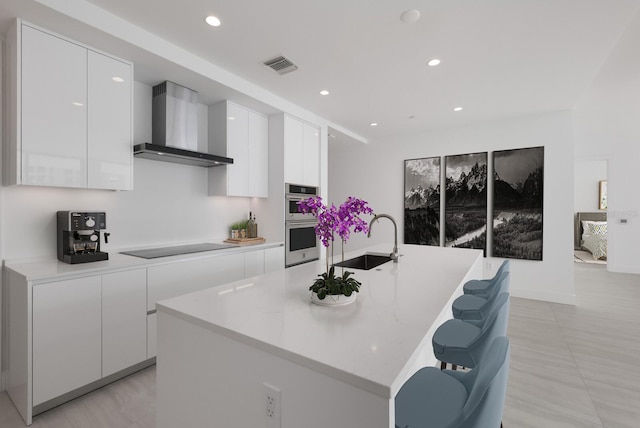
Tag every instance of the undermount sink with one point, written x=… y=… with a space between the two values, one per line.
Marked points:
x=365 y=261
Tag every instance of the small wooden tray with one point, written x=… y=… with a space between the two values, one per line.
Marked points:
x=245 y=241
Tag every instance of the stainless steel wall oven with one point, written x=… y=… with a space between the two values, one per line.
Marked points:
x=301 y=243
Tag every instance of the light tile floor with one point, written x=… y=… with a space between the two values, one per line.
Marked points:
x=571 y=366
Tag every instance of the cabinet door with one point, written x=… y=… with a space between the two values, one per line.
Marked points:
x=152 y=335
x=124 y=320
x=110 y=152
x=54 y=111
x=238 y=150
x=253 y=263
x=174 y=279
x=293 y=139
x=311 y=156
x=273 y=259
x=258 y=155
x=66 y=336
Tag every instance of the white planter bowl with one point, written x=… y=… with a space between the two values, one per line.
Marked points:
x=333 y=300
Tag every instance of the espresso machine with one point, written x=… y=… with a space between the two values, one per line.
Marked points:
x=79 y=236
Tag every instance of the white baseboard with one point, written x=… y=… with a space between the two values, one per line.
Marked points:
x=562 y=298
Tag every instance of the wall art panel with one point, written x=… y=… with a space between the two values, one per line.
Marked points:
x=518 y=189
x=466 y=201
x=422 y=201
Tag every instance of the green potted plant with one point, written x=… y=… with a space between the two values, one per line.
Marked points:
x=329 y=289
x=239 y=229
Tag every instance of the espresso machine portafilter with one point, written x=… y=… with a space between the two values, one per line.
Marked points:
x=79 y=236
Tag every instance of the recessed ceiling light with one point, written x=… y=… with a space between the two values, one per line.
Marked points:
x=77 y=104
x=410 y=16
x=373 y=124
x=433 y=62
x=214 y=21
x=324 y=92
x=117 y=79
x=231 y=118
x=457 y=109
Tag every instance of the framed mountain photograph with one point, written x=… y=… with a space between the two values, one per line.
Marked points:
x=465 y=209
x=422 y=201
x=518 y=193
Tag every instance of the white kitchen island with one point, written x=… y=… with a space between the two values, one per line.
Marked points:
x=333 y=366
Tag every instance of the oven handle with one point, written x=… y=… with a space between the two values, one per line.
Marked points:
x=290 y=223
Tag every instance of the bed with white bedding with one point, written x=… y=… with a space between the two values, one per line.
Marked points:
x=591 y=233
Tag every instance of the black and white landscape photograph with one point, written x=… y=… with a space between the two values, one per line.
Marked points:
x=517 y=203
x=465 y=221
x=422 y=201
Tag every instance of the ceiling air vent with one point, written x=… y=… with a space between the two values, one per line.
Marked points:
x=281 y=65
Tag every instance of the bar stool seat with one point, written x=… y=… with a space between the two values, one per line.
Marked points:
x=452 y=340
x=430 y=395
x=481 y=287
x=463 y=343
x=474 y=307
x=433 y=398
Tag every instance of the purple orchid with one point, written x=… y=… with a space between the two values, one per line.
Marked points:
x=331 y=220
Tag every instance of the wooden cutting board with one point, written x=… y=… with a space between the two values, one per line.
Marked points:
x=245 y=241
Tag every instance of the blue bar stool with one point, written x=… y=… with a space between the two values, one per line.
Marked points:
x=470 y=307
x=480 y=287
x=462 y=343
x=434 y=398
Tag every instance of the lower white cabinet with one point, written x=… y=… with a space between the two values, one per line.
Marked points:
x=124 y=320
x=253 y=263
x=66 y=336
x=175 y=279
x=273 y=259
x=152 y=335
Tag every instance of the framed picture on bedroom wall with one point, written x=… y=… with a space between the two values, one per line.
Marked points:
x=465 y=208
x=518 y=194
x=422 y=201
x=602 y=195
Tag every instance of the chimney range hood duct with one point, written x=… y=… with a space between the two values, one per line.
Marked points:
x=174 y=118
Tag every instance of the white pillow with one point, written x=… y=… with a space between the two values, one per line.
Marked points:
x=594 y=227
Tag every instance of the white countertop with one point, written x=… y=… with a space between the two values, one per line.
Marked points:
x=48 y=269
x=368 y=344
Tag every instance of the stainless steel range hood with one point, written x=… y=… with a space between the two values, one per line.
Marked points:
x=174 y=118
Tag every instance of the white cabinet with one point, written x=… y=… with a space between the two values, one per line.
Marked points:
x=152 y=335
x=54 y=111
x=109 y=152
x=72 y=123
x=253 y=263
x=66 y=336
x=243 y=135
x=273 y=259
x=174 y=279
x=124 y=320
x=301 y=152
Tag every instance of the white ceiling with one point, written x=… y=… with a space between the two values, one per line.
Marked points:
x=500 y=58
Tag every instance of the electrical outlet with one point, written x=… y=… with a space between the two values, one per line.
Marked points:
x=272 y=406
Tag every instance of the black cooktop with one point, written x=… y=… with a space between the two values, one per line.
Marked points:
x=152 y=253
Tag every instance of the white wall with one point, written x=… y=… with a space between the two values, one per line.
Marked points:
x=375 y=171
x=607 y=127
x=587 y=176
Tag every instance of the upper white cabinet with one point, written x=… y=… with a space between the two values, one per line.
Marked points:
x=70 y=121
x=301 y=152
x=110 y=124
x=243 y=135
x=54 y=111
